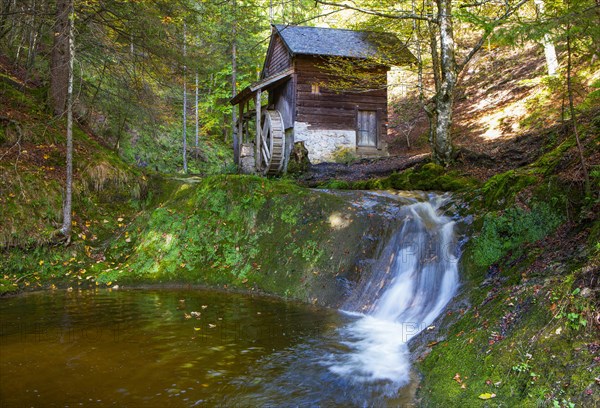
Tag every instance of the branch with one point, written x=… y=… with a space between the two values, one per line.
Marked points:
x=405 y=15
x=479 y=3
x=495 y=22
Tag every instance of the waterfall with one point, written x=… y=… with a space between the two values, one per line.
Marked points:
x=414 y=279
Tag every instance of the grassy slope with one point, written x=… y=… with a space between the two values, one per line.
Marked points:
x=528 y=332
x=250 y=233
x=32 y=160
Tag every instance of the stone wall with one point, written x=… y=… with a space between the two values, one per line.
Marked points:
x=247 y=164
x=322 y=143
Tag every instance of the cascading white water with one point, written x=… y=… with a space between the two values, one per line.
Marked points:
x=414 y=280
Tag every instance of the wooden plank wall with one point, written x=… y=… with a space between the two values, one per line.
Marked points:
x=284 y=102
x=328 y=109
x=278 y=58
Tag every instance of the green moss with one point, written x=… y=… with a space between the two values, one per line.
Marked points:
x=500 y=190
x=491 y=350
x=511 y=230
x=338 y=185
x=242 y=231
x=429 y=177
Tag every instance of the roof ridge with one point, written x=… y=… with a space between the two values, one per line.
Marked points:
x=330 y=28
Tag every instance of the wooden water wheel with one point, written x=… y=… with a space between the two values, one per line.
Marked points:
x=272 y=143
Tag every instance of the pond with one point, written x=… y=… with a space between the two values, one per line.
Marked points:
x=154 y=348
x=189 y=348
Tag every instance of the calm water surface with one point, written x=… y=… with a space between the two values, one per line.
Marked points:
x=163 y=348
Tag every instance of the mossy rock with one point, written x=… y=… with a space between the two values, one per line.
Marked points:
x=251 y=232
x=500 y=190
x=428 y=177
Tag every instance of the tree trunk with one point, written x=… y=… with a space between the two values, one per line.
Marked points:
x=60 y=58
x=234 y=82
x=184 y=104
x=549 y=50
x=6 y=23
x=197 y=119
x=444 y=98
x=68 y=201
x=586 y=176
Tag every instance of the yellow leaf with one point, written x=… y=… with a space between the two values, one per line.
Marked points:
x=41 y=263
x=197 y=328
x=487 y=396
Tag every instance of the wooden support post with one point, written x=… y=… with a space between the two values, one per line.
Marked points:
x=379 y=124
x=241 y=125
x=258 y=130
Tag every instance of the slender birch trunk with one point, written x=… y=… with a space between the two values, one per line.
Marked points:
x=196 y=111
x=185 y=167
x=549 y=50
x=444 y=98
x=68 y=200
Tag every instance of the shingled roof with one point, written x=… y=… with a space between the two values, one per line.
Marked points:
x=344 y=43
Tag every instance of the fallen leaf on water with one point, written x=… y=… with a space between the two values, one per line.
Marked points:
x=487 y=396
x=212 y=326
x=204 y=306
x=196 y=328
x=187 y=316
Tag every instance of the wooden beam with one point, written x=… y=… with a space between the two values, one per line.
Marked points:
x=247 y=92
x=260 y=85
x=257 y=103
x=241 y=126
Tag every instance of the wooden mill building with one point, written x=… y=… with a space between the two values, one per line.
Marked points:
x=326 y=88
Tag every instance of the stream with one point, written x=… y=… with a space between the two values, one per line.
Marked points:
x=150 y=348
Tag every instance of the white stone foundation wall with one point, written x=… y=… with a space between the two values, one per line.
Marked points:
x=247 y=164
x=322 y=143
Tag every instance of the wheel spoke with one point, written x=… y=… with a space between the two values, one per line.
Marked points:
x=272 y=145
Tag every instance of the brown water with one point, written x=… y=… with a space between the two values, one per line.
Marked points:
x=145 y=348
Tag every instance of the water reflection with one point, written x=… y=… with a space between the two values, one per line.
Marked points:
x=147 y=348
